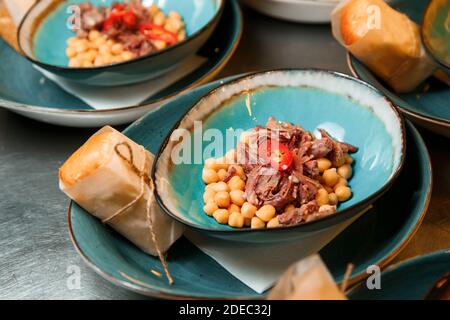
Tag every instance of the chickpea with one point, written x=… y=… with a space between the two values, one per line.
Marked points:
x=236 y=183
x=343 y=193
x=289 y=208
x=210 y=208
x=332 y=199
x=74 y=63
x=104 y=49
x=181 y=35
x=91 y=55
x=221 y=164
x=323 y=164
x=266 y=212
x=99 y=41
x=70 y=52
x=87 y=64
x=273 y=223
x=236 y=220
x=117 y=49
x=107 y=57
x=127 y=55
x=210 y=163
x=153 y=9
x=81 y=47
x=210 y=186
x=93 y=35
x=248 y=210
x=234 y=208
x=237 y=197
x=98 y=61
x=208 y=196
x=341 y=182
x=209 y=176
x=222 y=199
x=173 y=25
x=222 y=173
x=330 y=177
x=174 y=15
x=221 y=186
x=348 y=159
x=221 y=216
x=159 y=44
x=329 y=190
x=257 y=223
x=72 y=41
x=159 y=19
x=322 y=197
x=345 y=171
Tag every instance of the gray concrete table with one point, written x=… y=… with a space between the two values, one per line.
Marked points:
x=35 y=250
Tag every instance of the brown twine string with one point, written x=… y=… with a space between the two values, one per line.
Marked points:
x=145 y=180
x=347 y=275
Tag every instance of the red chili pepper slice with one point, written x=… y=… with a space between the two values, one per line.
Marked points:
x=154 y=32
x=130 y=19
x=277 y=154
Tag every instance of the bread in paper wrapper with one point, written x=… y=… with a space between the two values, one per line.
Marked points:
x=308 y=279
x=385 y=40
x=102 y=182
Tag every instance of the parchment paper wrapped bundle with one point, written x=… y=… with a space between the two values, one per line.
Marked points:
x=308 y=279
x=108 y=177
x=385 y=40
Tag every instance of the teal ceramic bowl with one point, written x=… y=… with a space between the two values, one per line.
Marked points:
x=436 y=32
x=409 y=280
x=347 y=108
x=426 y=106
x=374 y=239
x=43 y=34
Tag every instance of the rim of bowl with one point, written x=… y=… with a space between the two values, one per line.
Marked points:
x=433 y=119
x=405 y=263
x=436 y=59
x=340 y=214
x=196 y=34
x=206 y=77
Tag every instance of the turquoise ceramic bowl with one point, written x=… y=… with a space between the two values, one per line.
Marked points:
x=43 y=34
x=436 y=31
x=347 y=108
x=408 y=280
x=374 y=239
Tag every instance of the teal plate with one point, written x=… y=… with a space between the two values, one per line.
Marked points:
x=426 y=107
x=409 y=280
x=23 y=89
x=375 y=238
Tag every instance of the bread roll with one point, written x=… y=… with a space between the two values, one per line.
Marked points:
x=385 y=40
x=100 y=179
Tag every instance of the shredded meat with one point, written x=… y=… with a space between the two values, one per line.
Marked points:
x=298 y=185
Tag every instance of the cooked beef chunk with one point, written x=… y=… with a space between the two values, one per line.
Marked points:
x=266 y=185
x=298 y=215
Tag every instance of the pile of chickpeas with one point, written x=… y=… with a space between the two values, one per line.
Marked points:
x=226 y=201
x=98 y=50
x=95 y=50
x=334 y=180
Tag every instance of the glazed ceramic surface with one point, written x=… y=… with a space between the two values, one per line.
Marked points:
x=25 y=90
x=436 y=31
x=348 y=109
x=375 y=238
x=409 y=280
x=46 y=45
x=294 y=10
x=428 y=104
